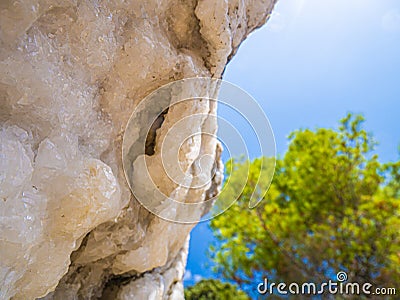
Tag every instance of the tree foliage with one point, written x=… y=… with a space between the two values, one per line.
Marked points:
x=332 y=206
x=212 y=289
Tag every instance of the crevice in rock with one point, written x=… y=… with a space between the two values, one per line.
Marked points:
x=217 y=174
x=152 y=134
x=186 y=35
x=171 y=288
x=115 y=283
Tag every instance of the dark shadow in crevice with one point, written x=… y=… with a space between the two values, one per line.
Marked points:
x=152 y=134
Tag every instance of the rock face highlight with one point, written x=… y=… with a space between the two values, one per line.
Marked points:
x=71 y=74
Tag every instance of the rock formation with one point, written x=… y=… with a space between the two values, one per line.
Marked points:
x=71 y=74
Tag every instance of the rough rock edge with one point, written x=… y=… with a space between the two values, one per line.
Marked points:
x=175 y=290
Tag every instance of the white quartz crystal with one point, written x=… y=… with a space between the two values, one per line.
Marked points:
x=71 y=73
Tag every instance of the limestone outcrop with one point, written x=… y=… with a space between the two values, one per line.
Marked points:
x=71 y=74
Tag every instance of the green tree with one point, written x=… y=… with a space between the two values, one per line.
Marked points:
x=212 y=289
x=332 y=206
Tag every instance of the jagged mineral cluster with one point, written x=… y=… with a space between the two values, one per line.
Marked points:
x=71 y=74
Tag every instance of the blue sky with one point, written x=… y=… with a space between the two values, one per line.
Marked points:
x=313 y=62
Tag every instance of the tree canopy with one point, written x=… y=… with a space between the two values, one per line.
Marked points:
x=212 y=289
x=332 y=206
